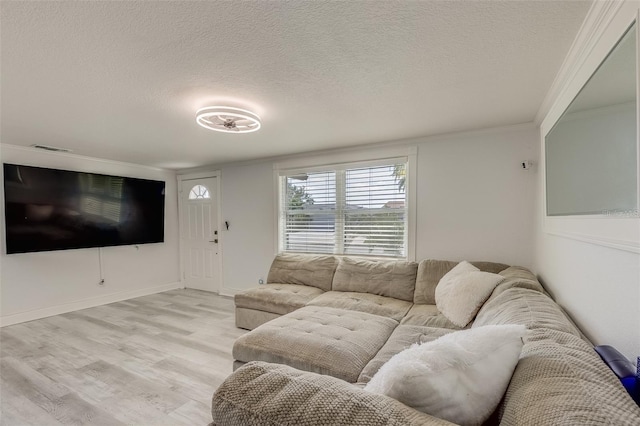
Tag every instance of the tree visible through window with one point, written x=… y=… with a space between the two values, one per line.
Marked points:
x=199 y=192
x=356 y=211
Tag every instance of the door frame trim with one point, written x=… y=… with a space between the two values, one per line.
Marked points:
x=181 y=180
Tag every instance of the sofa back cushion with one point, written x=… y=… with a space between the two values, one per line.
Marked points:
x=303 y=269
x=391 y=278
x=561 y=380
x=518 y=277
x=431 y=271
x=527 y=307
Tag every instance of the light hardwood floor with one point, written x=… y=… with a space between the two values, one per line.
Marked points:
x=153 y=360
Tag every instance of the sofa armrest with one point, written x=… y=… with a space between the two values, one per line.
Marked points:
x=272 y=394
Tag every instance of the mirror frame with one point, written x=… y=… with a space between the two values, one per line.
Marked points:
x=569 y=140
x=611 y=231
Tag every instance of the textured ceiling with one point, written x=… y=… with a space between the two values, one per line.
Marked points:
x=122 y=80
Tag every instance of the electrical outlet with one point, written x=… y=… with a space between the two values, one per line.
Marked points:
x=260 y=281
x=101 y=282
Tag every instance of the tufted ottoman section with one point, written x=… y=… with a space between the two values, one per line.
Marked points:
x=322 y=340
x=363 y=302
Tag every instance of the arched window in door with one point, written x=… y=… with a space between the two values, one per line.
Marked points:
x=199 y=192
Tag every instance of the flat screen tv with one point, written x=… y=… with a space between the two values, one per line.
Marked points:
x=48 y=209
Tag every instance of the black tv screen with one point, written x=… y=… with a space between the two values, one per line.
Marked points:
x=48 y=209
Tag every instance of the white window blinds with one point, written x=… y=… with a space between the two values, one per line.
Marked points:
x=351 y=210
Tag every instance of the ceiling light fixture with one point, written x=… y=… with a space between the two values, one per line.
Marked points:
x=228 y=119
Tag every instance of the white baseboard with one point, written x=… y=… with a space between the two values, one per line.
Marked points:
x=83 y=304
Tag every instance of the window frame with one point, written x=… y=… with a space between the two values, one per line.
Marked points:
x=409 y=158
x=198 y=197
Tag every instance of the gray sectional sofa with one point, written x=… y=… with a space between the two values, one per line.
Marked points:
x=323 y=326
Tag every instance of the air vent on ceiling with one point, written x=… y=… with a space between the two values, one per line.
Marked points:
x=51 y=148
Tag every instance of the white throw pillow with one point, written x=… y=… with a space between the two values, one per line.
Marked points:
x=460 y=377
x=463 y=290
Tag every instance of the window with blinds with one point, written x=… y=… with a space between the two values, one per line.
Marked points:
x=352 y=210
x=102 y=196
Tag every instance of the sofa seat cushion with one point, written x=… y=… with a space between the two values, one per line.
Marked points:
x=276 y=298
x=402 y=337
x=527 y=307
x=430 y=272
x=363 y=302
x=391 y=278
x=460 y=377
x=428 y=316
x=560 y=380
x=324 y=340
x=303 y=269
x=261 y=394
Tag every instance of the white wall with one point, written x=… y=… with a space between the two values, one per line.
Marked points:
x=248 y=196
x=594 y=274
x=597 y=286
x=474 y=201
x=34 y=285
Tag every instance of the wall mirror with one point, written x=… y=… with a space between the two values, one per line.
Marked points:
x=591 y=153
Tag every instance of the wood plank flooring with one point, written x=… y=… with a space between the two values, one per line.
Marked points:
x=153 y=360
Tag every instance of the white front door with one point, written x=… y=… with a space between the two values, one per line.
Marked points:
x=199 y=233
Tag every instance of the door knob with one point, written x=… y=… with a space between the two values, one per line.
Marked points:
x=214 y=241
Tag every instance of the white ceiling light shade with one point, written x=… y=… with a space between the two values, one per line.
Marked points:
x=228 y=119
